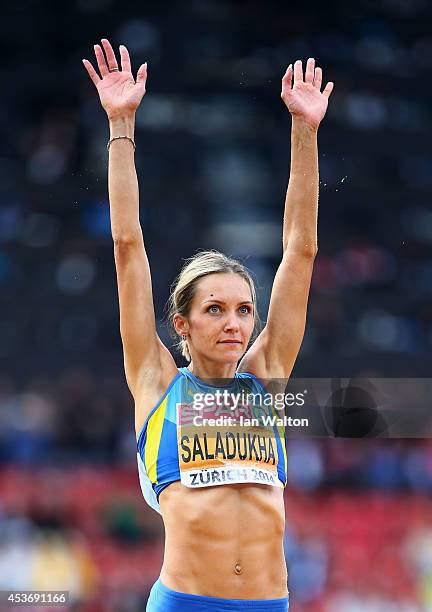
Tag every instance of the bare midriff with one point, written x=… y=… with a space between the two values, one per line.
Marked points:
x=224 y=541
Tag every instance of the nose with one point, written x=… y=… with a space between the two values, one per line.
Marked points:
x=231 y=323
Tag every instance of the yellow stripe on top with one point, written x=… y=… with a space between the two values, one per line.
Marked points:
x=153 y=438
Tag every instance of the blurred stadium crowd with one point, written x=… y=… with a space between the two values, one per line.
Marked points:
x=213 y=159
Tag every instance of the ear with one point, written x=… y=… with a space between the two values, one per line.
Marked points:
x=180 y=323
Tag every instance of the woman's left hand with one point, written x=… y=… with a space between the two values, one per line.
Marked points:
x=304 y=98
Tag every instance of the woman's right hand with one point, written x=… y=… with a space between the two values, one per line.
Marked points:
x=118 y=92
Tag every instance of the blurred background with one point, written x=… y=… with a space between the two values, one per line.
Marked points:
x=213 y=148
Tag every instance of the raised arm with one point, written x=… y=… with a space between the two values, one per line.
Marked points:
x=148 y=363
x=275 y=350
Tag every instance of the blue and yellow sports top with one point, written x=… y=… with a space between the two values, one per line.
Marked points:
x=205 y=435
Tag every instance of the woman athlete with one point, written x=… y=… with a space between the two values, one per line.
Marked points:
x=224 y=532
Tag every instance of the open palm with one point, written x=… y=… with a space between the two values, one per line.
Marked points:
x=118 y=91
x=304 y=98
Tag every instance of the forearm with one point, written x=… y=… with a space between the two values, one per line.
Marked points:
x=123 y=182
x=301 y=203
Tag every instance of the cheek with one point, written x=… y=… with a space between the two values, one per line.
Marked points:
x=250 y=327
x=202 y=325
x=248 y=322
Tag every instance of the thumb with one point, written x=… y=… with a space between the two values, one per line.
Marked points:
x=142 y=74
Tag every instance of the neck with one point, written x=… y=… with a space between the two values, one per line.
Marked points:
x=212 y=371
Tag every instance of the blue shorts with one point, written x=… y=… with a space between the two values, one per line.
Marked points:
x=163 y=599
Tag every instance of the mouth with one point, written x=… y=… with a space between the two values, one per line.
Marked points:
x=231 y=341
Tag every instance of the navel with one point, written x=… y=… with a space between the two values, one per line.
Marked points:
x=238 y=568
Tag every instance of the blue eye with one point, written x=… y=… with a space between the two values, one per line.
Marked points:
x=214 y=306
x=245 y=309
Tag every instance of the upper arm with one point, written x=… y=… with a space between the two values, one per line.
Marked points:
x=274 y=352
x=145 y=356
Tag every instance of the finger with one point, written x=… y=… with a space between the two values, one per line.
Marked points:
x=91 y=72
x=100 y=58
x=328 y=89
x=125 y=59
x=298 y=72
x=287 y=77
x=110 y=55
x=318 y=78
x=142 y=74
x=310 y=70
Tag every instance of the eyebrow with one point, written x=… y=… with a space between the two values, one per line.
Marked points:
x=222 y=302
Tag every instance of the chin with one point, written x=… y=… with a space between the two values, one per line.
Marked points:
x=232 y=348
x=233 y=354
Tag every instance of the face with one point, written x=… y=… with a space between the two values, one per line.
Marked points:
x=221 y=318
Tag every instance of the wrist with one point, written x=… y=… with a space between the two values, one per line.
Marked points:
x=299 y=123
x=122 y=125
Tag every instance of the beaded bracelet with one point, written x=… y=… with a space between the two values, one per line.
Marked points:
x=118 y=138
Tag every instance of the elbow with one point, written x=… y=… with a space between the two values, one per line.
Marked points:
x=124 y=241
x=308 y=251
x=313 y=251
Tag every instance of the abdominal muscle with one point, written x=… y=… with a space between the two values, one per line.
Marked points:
x=224 y=541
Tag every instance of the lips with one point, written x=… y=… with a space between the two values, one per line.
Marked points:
x=230 y=341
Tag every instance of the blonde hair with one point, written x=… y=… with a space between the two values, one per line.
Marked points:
x=183 y=289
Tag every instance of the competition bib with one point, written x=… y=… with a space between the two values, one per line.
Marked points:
x=218 y=445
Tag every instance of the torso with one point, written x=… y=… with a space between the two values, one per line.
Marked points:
x=224 y=541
